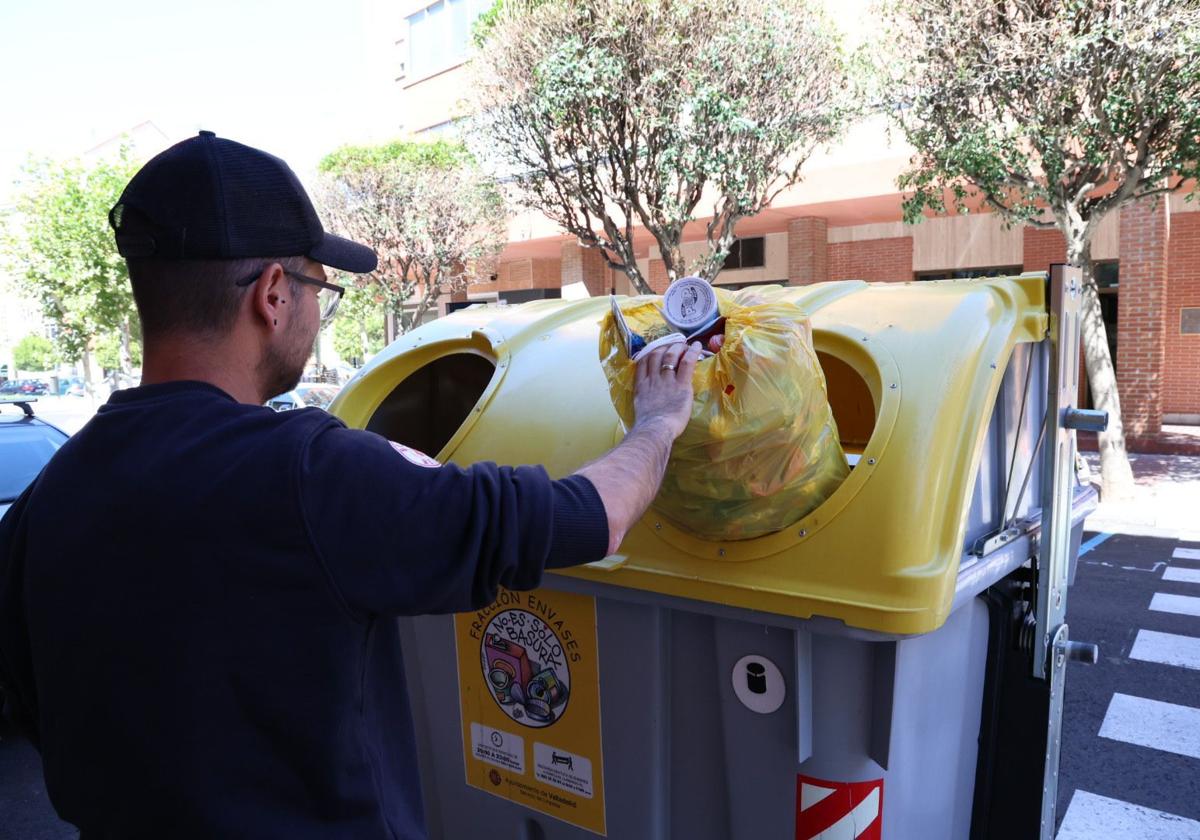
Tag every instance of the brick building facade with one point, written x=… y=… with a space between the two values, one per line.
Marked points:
x=843 y=221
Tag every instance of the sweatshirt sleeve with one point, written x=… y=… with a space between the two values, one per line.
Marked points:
x=400 y=534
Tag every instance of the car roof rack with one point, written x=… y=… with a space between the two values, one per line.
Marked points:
x=21 y=401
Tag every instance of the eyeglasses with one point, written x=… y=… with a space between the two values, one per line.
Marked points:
x=328 y=298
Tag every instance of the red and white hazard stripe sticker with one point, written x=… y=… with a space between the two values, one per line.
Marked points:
x=828 y=810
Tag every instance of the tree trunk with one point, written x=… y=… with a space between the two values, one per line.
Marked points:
x=640 y=283
x=87 y=374
x=126 y=359
x=673 y=262
x=1116 y=476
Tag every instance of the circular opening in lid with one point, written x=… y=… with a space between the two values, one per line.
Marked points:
x=429 y=405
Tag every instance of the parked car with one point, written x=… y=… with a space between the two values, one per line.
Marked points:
x=304 y=395
x=10 y=386
x=34 y=387
x=70 y=386
x=26 y=444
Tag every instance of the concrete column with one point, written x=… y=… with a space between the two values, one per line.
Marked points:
x=585 y=265
x=808 y=251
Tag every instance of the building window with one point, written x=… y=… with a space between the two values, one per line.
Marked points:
x=1106 y=274
x=439 y=35
x=747 y=253
x=970 y=273
x=1189 y=320
x=446 y=128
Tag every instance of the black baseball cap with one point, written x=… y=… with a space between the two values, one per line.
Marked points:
x=211 y=198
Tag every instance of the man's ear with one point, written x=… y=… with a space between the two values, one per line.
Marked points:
x=270 y=296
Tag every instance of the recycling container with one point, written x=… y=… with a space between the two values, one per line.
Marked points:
x=837 y=679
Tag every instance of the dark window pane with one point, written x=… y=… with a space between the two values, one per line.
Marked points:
x=754 y=252
x=1106 y=274
x=747 y=253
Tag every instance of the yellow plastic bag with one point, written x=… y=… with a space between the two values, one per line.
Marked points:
x=761 y=450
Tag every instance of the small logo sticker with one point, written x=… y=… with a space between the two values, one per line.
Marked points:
x=414 y=456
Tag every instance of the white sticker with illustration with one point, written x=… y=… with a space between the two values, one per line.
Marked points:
x=562 y=769
x=495 y=746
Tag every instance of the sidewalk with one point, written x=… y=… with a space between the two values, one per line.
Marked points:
x=1166 y=501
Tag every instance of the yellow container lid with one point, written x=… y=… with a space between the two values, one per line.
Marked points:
x=913 y=372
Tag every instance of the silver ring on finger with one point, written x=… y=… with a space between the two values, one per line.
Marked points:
x=667 y=367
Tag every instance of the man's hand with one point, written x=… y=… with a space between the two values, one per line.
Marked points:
x=663 y=386
x=628 y=477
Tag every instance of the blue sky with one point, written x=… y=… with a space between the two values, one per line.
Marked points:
x=297 y=78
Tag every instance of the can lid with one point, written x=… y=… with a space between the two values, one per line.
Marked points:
x=690 y=303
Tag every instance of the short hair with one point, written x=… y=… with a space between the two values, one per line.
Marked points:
x=197 y=297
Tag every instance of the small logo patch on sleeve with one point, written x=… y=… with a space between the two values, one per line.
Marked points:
x=414 y=456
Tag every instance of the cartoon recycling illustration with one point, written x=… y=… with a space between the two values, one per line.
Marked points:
x=526 y=669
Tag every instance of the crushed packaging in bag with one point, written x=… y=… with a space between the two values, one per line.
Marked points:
x=761 y=450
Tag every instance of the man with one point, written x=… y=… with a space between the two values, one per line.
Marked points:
x=196 y=595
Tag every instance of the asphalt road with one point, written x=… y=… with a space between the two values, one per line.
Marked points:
x=25 y=810
x=1121 y=790
x=1110 y=605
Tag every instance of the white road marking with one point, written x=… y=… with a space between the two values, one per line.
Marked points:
x=1182 y=604
x=1182 y=575
x=1167 y=649
x=1187 y=554
x=1159 y=564
x=1153 y=723
x=1093 y=817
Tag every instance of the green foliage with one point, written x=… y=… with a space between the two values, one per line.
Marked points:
x=610 y=116
x=435 y=220
x=33 y=352
x=108 y=351
x=408 y=154
x=1072 y=108
x=482 y=28
x=1077 y=106
x=358 y=330
x=61 y=249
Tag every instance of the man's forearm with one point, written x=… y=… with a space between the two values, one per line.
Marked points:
x=629 y=476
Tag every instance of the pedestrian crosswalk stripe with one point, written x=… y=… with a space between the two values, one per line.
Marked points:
x=1187 y=554
x=1093 y=817
x=1153 y=723
x=1167 y=649
x=1182 y=604
x=1182 y=575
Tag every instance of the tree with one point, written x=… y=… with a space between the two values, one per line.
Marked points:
x=358 y=330
x=108 y=349
x=34 y=352
x=435 y=220
x=64 y=257
x=610 y=115
x=1074 y=108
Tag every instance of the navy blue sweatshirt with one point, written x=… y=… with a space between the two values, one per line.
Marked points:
x=197 y=612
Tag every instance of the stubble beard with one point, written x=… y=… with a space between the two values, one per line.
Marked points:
x=282 y=364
